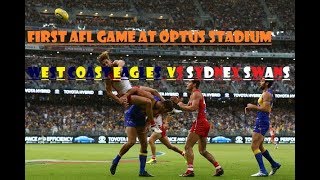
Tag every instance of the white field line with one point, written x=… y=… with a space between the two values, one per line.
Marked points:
x=79 y=161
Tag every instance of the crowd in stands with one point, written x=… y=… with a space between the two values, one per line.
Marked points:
x=234 y=14
x=284 y=9
x=109 y=120
x=180 y=14
x=105 y=5
x=183 y=13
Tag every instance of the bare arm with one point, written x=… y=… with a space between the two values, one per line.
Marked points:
x=110 y=94
x=195 y=99
x=266 y=105
x=152 y=91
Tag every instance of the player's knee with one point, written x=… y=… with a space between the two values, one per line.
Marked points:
x=262 y=149
x=151 y=142
x=187 y=147
x=254 y=147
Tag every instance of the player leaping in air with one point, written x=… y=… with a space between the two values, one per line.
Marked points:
x=128 y=94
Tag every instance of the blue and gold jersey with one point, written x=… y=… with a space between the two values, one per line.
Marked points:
x=260 y=100
x=263 y=120
x=135 y=116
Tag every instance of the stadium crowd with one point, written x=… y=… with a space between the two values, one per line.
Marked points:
x=96 y=119
x=181 y=14
x=284 y=12
x=226 y=14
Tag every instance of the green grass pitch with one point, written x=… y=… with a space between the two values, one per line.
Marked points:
x=92 y=161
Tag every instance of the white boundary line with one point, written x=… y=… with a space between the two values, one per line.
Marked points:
x=62 y=161
x=78 y=161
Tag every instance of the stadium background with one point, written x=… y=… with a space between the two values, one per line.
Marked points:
x=89 y=112
x=54 y=115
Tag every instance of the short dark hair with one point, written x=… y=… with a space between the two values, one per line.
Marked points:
x=168 y=104
x=197 y=82
x=270 y=82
